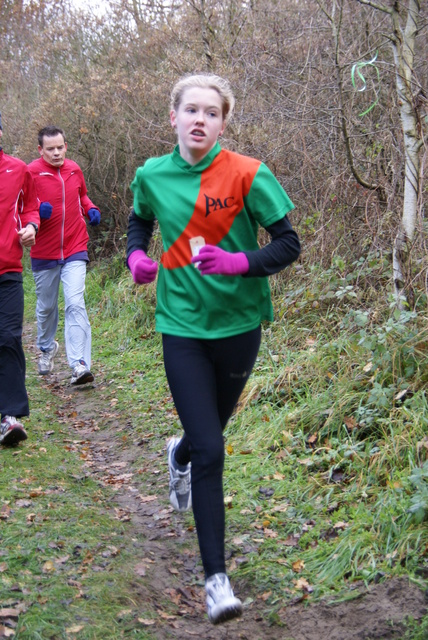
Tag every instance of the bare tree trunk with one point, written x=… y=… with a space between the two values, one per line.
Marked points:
x=404 y=53
x=403 y=45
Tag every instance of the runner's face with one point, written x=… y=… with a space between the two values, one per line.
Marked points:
x=53 y=150
x=199 y=121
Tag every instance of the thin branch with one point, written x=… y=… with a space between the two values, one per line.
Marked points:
x=374 y=5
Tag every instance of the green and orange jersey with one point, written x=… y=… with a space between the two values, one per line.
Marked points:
x=224 y=198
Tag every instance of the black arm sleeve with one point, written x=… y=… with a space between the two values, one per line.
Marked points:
x=139 y=234
x=282 y=250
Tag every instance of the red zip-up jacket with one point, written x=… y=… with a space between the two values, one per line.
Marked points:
x=18 y=207
x=64 y=233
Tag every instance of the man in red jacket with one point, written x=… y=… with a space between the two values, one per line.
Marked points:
x=19 y=222
x=61 y=254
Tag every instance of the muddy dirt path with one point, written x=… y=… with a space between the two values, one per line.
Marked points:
x=166 y=560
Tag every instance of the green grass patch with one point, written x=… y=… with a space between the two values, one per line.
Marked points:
x=326 y=478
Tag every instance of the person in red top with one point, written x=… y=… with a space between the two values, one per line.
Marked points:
x=61 y=254
x=19 y=222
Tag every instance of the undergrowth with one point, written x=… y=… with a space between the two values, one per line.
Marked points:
x=326 y=475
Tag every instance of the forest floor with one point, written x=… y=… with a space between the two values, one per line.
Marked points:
x=163 y=548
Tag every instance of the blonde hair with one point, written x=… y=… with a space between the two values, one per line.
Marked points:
x=205 y=81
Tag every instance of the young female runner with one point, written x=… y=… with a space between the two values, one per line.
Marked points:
x=212 y=295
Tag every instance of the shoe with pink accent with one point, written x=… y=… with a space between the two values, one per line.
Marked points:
x=11 y=431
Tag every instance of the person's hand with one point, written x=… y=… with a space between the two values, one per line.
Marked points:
x=27 y=236
x=94 y=217
x=215 y=261
x=45 y=210
x=143 y=268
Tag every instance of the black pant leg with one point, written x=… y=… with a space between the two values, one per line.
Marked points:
x=13 y=393
x=206 y=378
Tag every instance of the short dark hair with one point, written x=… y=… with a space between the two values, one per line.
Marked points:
x=49 y=132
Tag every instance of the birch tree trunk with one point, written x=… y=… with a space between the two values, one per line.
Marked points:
x=405 y=30
x=404 y=53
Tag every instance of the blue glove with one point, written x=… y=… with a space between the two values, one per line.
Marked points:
x=94 y=217
x=45 y=210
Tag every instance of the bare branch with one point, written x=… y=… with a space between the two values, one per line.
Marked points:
x=374 y=5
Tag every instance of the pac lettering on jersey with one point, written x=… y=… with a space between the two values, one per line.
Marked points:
x=214 y=204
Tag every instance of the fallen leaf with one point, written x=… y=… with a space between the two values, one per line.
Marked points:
x=145 y=622
x=167 y=616
x=10 y=613
x=75 y=628
x=350 y=422
x=4 y=512
x=340 y=525
x=147 y=498
x=298 y=566
x=304 y=585
x=278 y=476
x=337 y=476
x=35 y=493
x=23 y=503
x=306 y=461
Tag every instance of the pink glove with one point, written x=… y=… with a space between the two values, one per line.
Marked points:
x=143 y=268
x=214 y=261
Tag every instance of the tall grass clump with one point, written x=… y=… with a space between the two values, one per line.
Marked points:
x=326 y=473
x=329 y=444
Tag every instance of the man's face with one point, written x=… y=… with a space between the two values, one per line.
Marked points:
x=53 y=150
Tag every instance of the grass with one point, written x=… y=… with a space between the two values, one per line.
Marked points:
x=326 y=478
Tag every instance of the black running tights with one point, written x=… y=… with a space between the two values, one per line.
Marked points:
x=206 y=378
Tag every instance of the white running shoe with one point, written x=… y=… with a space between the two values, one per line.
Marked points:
x=11 y=431
x=180 y=490
x=221 y=602
x=46 y=360
x=81 y=374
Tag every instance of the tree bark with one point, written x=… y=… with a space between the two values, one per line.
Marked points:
x=403 y=45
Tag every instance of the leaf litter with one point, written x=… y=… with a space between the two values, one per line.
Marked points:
x=165 y=553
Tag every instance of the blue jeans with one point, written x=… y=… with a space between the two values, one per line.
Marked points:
x=77 y=330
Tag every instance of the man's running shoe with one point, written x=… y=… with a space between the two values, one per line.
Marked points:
x=221 y=602
x=81 y=374
x=46 y=360
x=180 y=491
x=11 y=431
